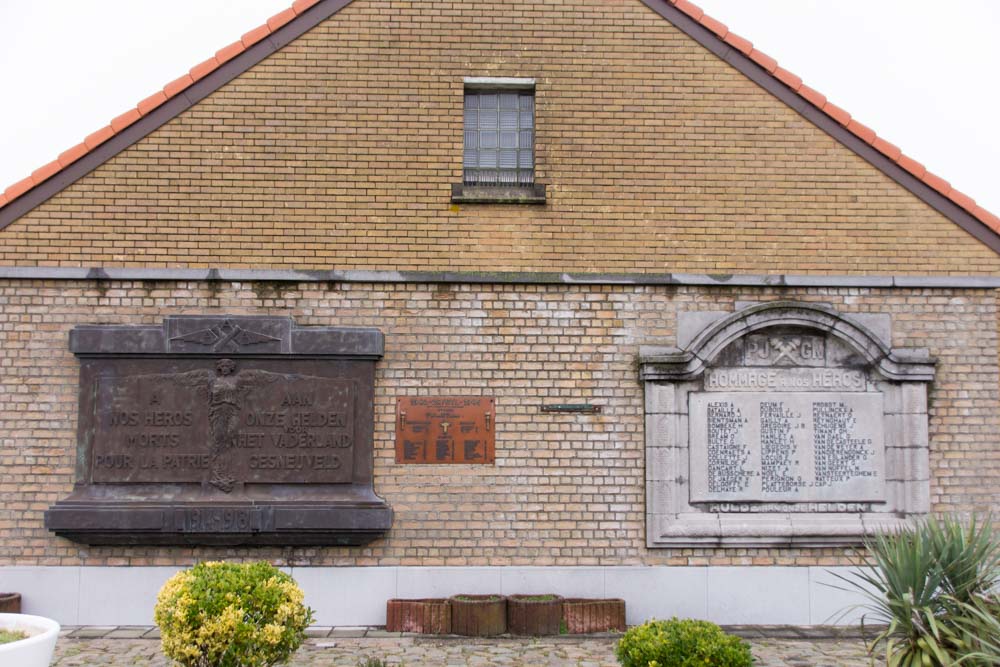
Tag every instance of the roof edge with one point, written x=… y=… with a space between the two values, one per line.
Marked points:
x=157 y=109
x=838 y=123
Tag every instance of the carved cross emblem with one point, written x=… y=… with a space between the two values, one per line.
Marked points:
x=444 y=427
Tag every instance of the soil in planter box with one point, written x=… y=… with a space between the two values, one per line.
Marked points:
x=534 y=615
x=478 y=615
x=584 y=616
x=429 y=616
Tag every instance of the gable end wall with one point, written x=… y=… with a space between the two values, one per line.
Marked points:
x=340 y=151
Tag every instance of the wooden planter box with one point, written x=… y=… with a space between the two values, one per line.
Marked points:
x=584 y=616
x=478 y=615
x=10 y=603
x=428 y=617
x=534 y=615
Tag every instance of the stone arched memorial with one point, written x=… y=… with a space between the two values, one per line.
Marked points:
x=783 y=423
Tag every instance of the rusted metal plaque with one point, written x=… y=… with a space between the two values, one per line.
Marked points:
x=445 y=429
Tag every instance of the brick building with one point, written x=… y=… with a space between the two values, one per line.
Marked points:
x=545 y=203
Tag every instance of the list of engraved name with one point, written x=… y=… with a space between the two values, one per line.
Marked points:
x=779 y=446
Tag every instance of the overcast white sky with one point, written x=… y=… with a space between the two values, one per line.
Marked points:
x=922 y=73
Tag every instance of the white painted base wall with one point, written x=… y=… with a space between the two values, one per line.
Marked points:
x=357 y=595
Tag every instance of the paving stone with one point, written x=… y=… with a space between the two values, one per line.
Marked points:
x=92 y=631
x=348 y=631
x=457 y=652
x=128 y=632
x=318 y=631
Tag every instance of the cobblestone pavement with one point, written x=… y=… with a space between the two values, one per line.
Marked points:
x=122 y=648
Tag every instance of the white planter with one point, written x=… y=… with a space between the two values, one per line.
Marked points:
x=36 y=650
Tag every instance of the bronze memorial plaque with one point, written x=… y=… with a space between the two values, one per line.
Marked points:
x=224 y=430
x=445 y=429
x=259 y=426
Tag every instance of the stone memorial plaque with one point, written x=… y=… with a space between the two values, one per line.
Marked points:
x=793 y=447
x=224 y=430
x=783 y=423
x=445 y=429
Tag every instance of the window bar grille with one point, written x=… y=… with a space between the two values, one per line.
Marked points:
x=499 y=138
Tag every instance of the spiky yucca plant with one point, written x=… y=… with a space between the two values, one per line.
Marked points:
x=932 y=587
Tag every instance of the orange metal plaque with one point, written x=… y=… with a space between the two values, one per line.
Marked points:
x=445 y=429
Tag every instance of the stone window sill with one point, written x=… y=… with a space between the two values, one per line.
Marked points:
x=487 y=194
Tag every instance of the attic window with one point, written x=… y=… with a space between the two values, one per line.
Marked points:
x=498 y=158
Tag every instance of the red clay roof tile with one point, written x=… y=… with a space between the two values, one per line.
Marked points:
x=255 y=35
x=991 y=220
x=227 y=53
x=742 y=45
x=119 y=123
x=837 y=113
x=45 y=171
x=764 y=60
x=300 y=6
x=814 y=96
x=280 y=19
x=151 y=102
x=202 y=69
x=890 y=150
x=73 y=154
x=965 y=201
x=718 y=28
x=936 y=182
x=863 y=131
x=97 y=138
x=787 y=78
x=19 y=188
x=912 y=166
x=177 y=85
x=690 y=9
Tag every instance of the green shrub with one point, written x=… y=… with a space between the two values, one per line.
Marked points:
x=681 y=643
x=932 y=587
x=231 y=615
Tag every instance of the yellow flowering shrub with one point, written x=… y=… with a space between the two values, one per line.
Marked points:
x=231 y=615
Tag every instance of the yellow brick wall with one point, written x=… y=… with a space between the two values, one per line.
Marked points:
x=339 y=152
x=565 y=489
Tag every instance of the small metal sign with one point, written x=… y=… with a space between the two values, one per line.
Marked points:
x=445 y=429
x=578 y=408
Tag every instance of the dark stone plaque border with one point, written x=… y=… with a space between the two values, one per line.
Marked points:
x=251 y=513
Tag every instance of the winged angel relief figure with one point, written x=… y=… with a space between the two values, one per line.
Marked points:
x=225 y=391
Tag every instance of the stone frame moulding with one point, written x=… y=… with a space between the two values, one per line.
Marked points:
x=897 y=378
